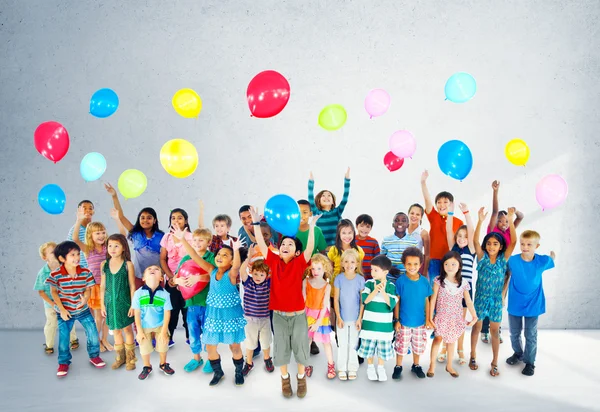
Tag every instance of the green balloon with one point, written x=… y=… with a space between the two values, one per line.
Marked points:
x=332 y=117
x=132 y=183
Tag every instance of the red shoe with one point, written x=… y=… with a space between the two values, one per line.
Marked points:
x=308 y=371
x=98 y=362
x=62 y=370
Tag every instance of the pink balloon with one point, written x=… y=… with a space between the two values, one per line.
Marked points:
x=191 y=268
x=403 y=144
x=377 y=102
x=551 y=191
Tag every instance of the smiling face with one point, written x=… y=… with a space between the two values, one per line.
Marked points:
x=99 y=237
x=412 y=265
x=326 y=200
x=363 y=229
x=224 y=258
x=503 y=222
x=178 y=220
x=492 y=246
x=88 y=211
x=461 y=238
x=72 y=258
x=287 y=250
x=400 y=223
x=221 y=228
x=114 y=248
x=147 y=221
x=305 y=214
x=415 y=214
x=451 y=267
x=152 y=276
x=246 y=219
x=443 y=205
x=349 y=264
x=199 y=243
x=346 y=235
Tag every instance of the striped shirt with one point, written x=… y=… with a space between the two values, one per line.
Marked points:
x=393 y=247
x=329 y=218
x=94 y=261
x=370 y=246
x=71 y=288
x=256 y=298
x=82 y=260
x=468 y=261
x=377 y=317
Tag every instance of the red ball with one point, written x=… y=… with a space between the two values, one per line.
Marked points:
x=392 y=162
x=268 y=93
x=191 y=268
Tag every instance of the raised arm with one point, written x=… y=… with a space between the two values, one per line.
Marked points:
x=513 y=233
x=519 y=219
x=344 y=201
x=200 y=214
x=180 y=234
x=311 y=193
x=470 y=227
x=263 y=248
x=426 y=194
x=237 y=262
x=117 y=204
x=450 y=227
x=76 y=229
x=246 y=264
x=478 y=250
x=494 y=216
x=310 y=244
x=114 y=213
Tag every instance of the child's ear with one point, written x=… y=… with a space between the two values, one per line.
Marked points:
x=298 y=252
x=61 y=259
x=538 y=245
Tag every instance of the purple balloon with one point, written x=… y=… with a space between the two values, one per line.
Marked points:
x=551 y=191
x=403 y=144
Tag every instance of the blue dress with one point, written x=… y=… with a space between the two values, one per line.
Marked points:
x=224 y=314
x=488 y=292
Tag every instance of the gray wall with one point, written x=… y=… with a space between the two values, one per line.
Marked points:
x=536 y=63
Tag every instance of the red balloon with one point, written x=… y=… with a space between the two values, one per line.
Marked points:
x=191 y=268
x=268 y=93
x=392 y=162
x=51 y=140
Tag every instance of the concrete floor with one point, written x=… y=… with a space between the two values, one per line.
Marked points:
x=567 y=379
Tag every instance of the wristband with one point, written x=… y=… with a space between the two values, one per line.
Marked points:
x=450 y=213
x=464 y=213
x=255 y=223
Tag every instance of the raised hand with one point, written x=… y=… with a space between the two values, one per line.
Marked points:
x=237 y=244
x=482 y=214
x=424 y=176
x=496 y=185
x=312 y=221
x=251 y=253
x=111 y=190
x=114 y=213
x=310 y=176
x=80 y=215
x=463 y=207
x=254 y=214
x=511 y=212
x=178 y=233
x=347 y=176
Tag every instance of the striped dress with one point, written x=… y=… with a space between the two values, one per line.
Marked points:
x=330 y=218
x=314 y=307
x=377 y=317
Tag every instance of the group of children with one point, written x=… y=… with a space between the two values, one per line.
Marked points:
x=283 y=295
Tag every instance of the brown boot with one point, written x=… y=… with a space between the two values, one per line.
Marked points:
x=120 y=357
x=130 y=358
x=286 y=387
x=301 y=392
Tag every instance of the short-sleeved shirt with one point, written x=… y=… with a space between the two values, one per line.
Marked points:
x=370 y=246
x=437 y=233
x=378 y=315
x=71 y=288
x=175 y=251
x=525 y=289
x=320 y=243
x=505 y=233
x=412 y=295
x=146 y=251
x=40 y=283
x=349 y=296
x=152 y=305
x=256 y=298
x=393 y=247
x=82 y=231
x=286 y=282
x=336 y=258
x=200 y=298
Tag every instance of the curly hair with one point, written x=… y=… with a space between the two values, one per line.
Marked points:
x=327 y=266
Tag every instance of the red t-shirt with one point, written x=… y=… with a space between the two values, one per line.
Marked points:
x=437 y=233
x=286 y=282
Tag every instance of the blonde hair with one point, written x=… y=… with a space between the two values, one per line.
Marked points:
x=44 y=247
x=327 y=266
x=203 y=234
x=89 y=230
x=352 y=253
x=531 y=234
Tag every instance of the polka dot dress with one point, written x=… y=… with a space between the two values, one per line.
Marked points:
x=224 y=314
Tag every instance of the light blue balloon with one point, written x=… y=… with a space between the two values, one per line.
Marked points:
x=52 y=199
x=93 y=166
x=455 y=159
x=460 y=87
x=104 y=103
x=283 y=214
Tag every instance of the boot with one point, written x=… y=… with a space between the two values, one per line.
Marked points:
x=218 y=372
x=286 y=387
x=301 y=391
x=120 y=357
x=130 y=358
x=239 y=377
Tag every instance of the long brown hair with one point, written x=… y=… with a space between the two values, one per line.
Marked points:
x=117 y=237
x=320 y=195
x=443 y=274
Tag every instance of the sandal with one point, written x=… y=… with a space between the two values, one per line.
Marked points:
x=453 y=374
x=308 y=371
x=494 y=371
x=352 y=376
x=74 y=344
x=343 y=375
x=485 y=337
x=430 y=374
x=442 y=357
x=473 y=364
x=102 y=347
x=331 y=371
x=49 y=351
x=461 y=358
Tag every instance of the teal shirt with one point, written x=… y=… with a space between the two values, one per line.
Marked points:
x=40 y=283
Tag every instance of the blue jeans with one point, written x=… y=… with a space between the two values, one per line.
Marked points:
x=196 y=315
x=435 y=265
x=516 y=327
x=86 y=320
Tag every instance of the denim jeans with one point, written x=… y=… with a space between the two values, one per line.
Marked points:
x=86 y=320
x=196 y=315
x=435 y=265
x=516 y=327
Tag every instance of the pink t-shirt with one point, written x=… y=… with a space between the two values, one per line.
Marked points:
x=94 y=261
x=175 y=251
x=505 y=234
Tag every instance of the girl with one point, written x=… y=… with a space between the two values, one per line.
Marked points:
x=415 y=217
x=317 y=293
x=324 y=205
x=116 y=291
x=345 y=239
x=449 y=291
x=492 y=283
x=346 y=299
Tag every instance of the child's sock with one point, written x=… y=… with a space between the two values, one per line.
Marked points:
x=286 y=376
x=300 y=376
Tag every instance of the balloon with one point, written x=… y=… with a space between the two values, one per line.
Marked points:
x=455 y=159
x=392 y=162
x=268 y=94
x=377 y=102
x=191 y=268
x=403 y=144
x=460 y=88
x=179 y=158
x=551 y=191
x=283 y=214
x=132 y=183
x=187 y=103
x=517 y=152
x=92 y=167
x=51 y=140
x=104 y=103
x=332 y=117
x=52 y=199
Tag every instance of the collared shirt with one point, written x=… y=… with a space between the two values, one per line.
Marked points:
x=437 y=233
x=217 y=243
x=152 y=305
x=71 y=288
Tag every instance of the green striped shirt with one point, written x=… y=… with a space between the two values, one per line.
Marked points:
x=378 y=315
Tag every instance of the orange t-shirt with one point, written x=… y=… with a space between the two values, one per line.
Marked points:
x=437 y=233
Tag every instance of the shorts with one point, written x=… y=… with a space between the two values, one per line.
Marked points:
x=258 y=330
x=414 y=338
x=146 y=346
x=290 y=335
x=94 y=302
x=464 y=303
x=371 y=347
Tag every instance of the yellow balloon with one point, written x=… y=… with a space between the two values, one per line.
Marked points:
x=187 y=103
x=179 y=158
x=132 y=183
x=332 y=117
x=517 y=152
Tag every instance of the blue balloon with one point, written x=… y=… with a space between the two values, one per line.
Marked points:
x=104 y=103
x=52 y=199
x=283 y=214
x=93 y=166
x=455 y=159
x=460 y=88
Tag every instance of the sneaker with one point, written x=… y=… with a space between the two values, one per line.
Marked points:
x=47 y=350
x=308 y=370
x=247 y=368
x=514 y=359
x=361 y=360
x=167 y=369
x=171 y=343
x=269 y=365
x=62 y=370
x=147 y=370
x=485 y=337
x=98 y=362
x=382 y=374
x=417 y=370
x=74 y=344
x=371 y=373
x=192 y=365
x=397 y=373
x=314 y=349
x=207 y=368
x=187 y=341
x=529 y=369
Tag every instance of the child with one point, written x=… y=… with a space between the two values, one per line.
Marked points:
x=86 y=208
x=324 y=204
x=526 y=299
x=379 y=299
x=152 y=307
x=222 y=225
x=449 y=291
x=412 y=313
x=345 y=239
x=305 y=214
x=346 y=298
x=47 y=255
x=492 y=283
x=317 y=294
x=246 y=232
x=70 y=288
x=415 y=218
x=287 y=303
x=116 y=293
x=393 y=246
x=369 y=245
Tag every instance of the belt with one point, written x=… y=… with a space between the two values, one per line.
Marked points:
x=299 y=312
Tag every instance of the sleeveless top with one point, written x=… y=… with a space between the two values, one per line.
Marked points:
x=94 y=261
x=416 y=235
x=314 y=297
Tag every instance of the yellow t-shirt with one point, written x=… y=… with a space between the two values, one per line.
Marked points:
x=336 y=258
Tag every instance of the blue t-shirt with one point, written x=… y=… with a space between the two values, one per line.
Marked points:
x=525 y=289
x=349 y=296
x=151 y=305
x=412 y=295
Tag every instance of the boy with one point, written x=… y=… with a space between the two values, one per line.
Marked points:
x=85 y=207
x=369 y=245
x=302 y=234
x=394 y=245
x=222 y=225
x=287 y=303
x=47 y=255
x=526 y=298
x=412 y=313
x=152 y=307
x=379 y=299
x=196 y=305
x=70 y=286
x=246 y=232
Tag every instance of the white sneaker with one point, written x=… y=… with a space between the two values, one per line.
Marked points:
x=382 y=374
x=371 y=373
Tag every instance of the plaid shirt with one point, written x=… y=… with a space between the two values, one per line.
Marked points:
x=217 y=243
